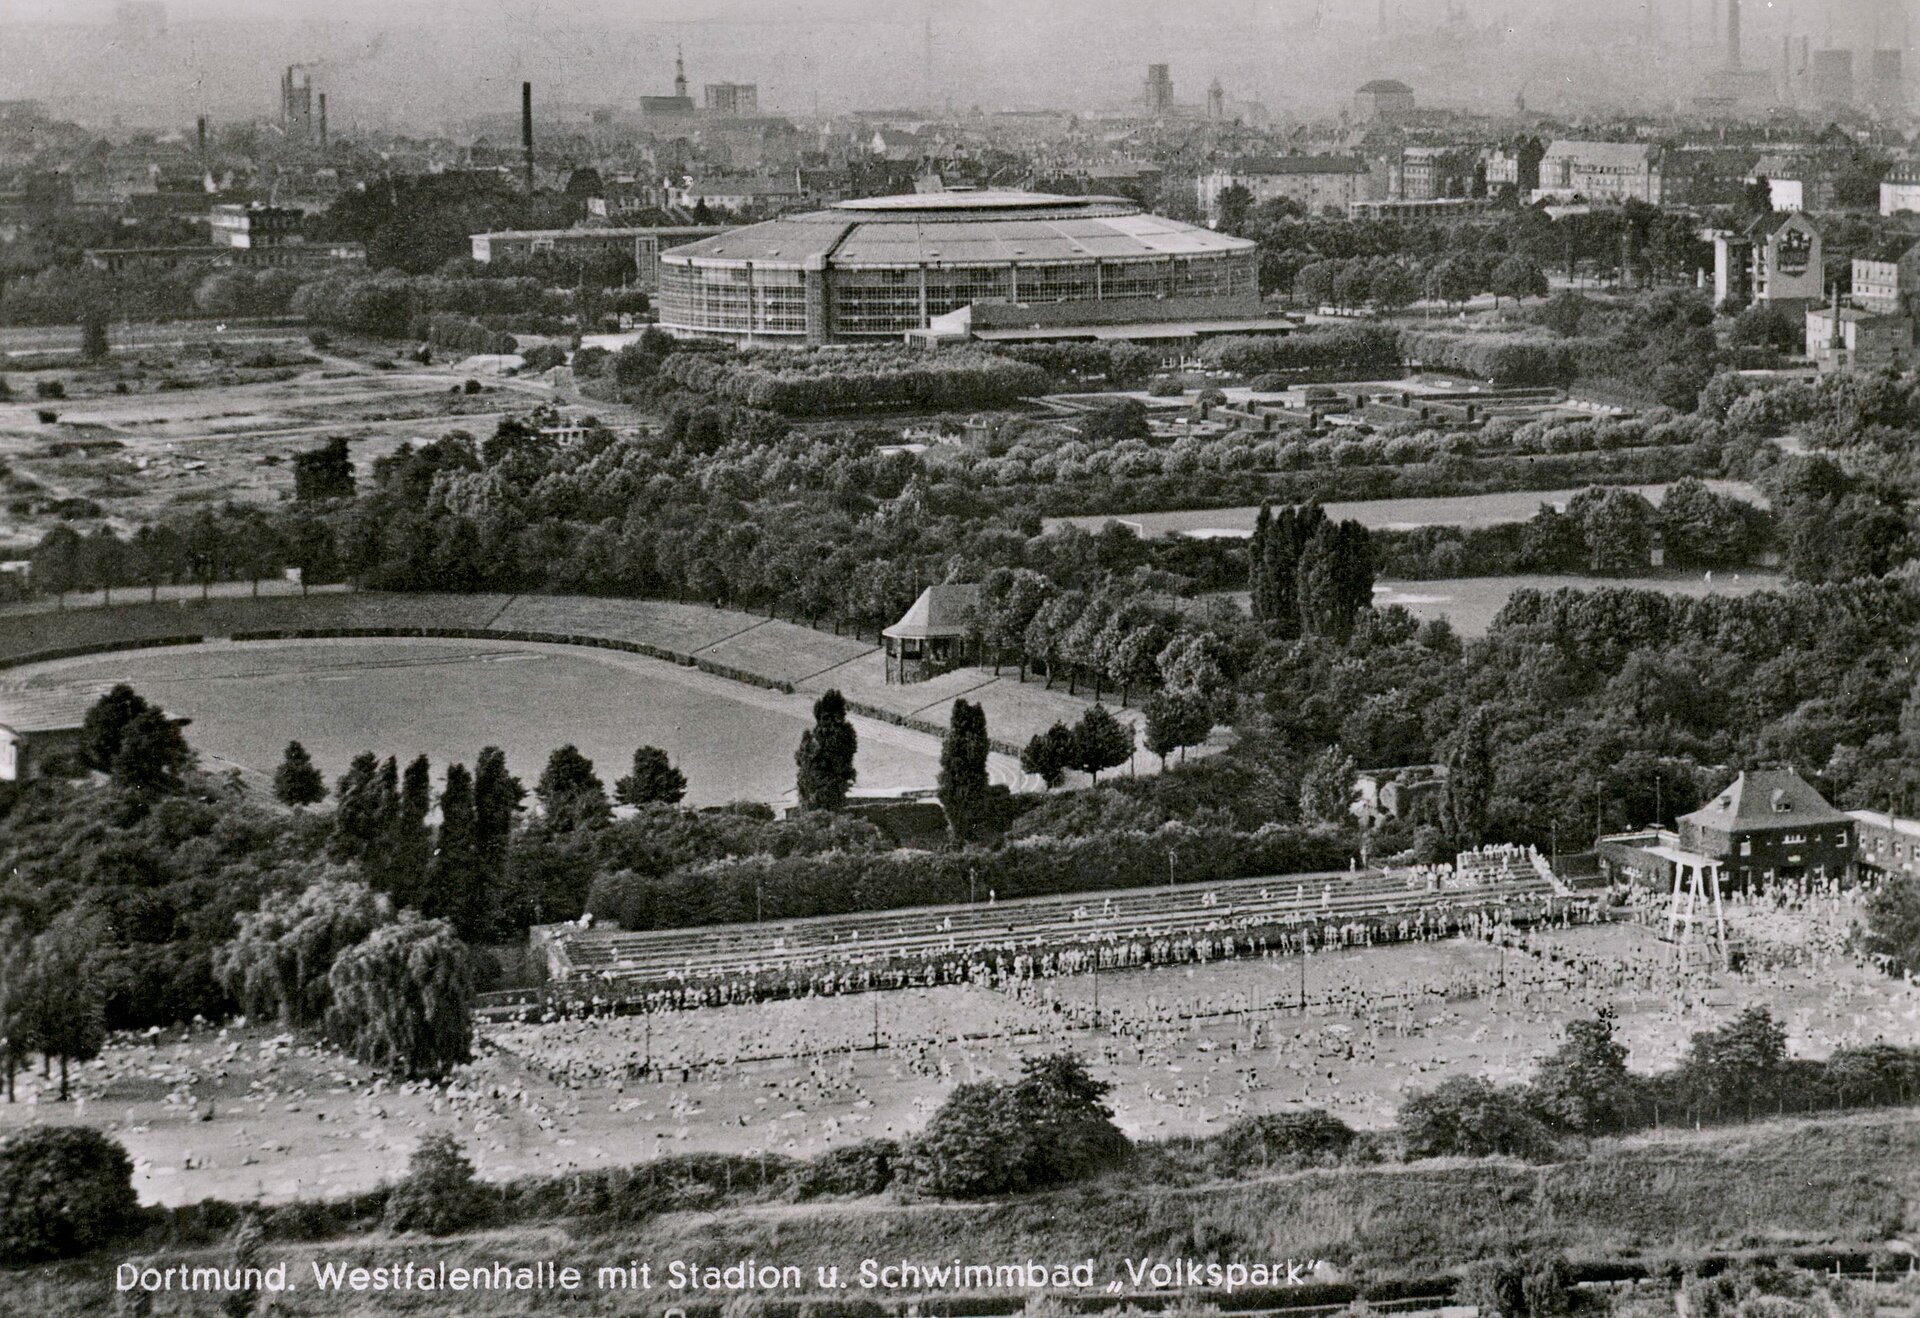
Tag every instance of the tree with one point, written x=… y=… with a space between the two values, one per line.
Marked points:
x=1616 y=527
x=1738 y=1062
x=324 y=473
x=457 y=884
x=1009 y=598
x=497 y=797
x=205 y=545
x=1517 y=278
x=57 y=563
x=152 y=755
x=64 y=1190
x=570 y=793
x=1467 y=1117
x=1175 y=722
x=296 y=782
x=1050 y=1127
x=1194 y=663
x=16 y=1000
x=1394 y=287
x=963 y=771
x=1326 y=789
x=1101 y=741
x=104 y=561
x=399 y=865
x=364 y=805
x=1133 y=657
x=652 y=781
x=1233 y=205
x=66 y=999
x=1049 y=754
x=1892 y=930
x=1452 y=281
x=106 y=724
x=1584 y=1085
x=825 y=757
x=1468 y=798
x=402 y=999
x=1564 y=312
x=439 y=1194
x=276 y=966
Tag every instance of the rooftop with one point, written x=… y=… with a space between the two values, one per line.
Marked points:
x=1300 y=165
x=940 y=611
x=1763 y=799
x=1386 y=87
x=963 y=228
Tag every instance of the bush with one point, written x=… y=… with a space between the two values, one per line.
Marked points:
x=64 y=1190
x=47 y=416
x=49 y=389
x=858 y=1169
x=1301 y=1139
x=544 y=357
x=1049 y=1128
x=439 y=1195
x=1467 y=1117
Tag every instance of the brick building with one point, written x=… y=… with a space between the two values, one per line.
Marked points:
x=1771 y=826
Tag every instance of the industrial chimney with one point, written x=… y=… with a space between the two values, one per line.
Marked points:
x=200 y=133
x=323 y=121
x=526 y=131
x=1733 y=34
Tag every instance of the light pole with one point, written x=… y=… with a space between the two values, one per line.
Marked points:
x=1170 y=867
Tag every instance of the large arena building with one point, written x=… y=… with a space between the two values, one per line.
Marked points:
x=987 y=265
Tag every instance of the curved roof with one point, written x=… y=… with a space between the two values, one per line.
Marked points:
x=1387 y=86
x=961 y=228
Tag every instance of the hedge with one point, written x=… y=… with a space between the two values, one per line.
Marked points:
x=1505 y=359
x=816 y=383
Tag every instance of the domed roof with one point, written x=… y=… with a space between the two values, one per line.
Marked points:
x=1386 y=87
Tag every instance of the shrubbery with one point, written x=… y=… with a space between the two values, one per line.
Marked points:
x=819 y=383
x=439 y=1195
x=64 y=1190
x=1050 y=1127
x=1343 y=347
x=1505 y=359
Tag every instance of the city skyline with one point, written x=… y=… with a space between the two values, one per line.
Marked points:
x=1302 y=58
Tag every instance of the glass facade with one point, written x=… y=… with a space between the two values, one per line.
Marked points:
x=733 y=299
x=873 y=300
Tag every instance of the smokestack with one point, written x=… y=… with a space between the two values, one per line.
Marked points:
x=323 y=121
x=200 y=133
x=1733 y=34
x=526 y=131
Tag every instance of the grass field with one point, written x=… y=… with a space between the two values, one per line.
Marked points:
x=1472 y=603
x=1476 y=510
x=447 y=699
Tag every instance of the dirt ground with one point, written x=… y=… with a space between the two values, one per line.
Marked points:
x=193 y=428
x=247 y=1112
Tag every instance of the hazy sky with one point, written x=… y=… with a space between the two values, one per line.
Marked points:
x=436 y=61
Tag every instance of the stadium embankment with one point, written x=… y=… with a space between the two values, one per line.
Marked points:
x=759 y=651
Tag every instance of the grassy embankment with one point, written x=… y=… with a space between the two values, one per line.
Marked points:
x=1846 y=1182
